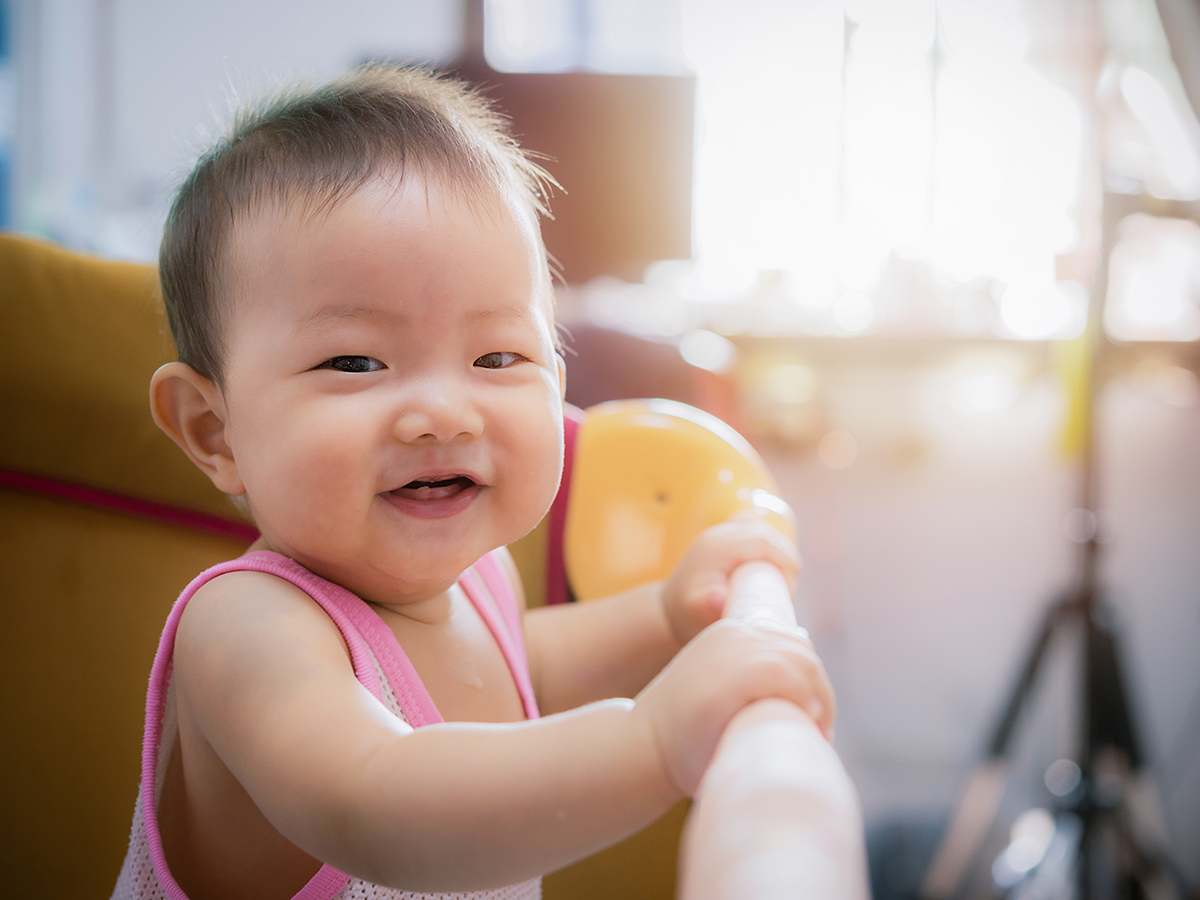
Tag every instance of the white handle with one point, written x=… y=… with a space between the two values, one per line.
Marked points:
x=776 y=816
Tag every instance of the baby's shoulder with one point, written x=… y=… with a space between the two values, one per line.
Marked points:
x=248 y=592
x=249 y=615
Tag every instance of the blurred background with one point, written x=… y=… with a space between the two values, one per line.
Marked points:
x=871 y=234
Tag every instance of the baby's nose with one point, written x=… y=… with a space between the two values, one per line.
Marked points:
x=438 y=410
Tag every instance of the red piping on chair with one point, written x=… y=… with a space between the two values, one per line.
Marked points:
x=131 y=506
x=558 y=590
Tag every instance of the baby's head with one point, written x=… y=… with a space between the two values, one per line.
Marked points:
x=361 y=303
x=312 y=148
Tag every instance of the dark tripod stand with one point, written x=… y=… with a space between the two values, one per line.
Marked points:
x=1117 y=848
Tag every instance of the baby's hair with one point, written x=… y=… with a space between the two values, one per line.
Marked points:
x=321 y=145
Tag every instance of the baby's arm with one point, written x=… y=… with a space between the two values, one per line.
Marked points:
x=263 y=678
x=582 y=652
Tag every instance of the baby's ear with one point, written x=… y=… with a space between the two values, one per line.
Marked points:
x=191 y=410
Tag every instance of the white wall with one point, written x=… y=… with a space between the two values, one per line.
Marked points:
x=116 y=96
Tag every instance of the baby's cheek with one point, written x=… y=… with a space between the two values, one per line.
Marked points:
x=538 y=479
x=309 y=486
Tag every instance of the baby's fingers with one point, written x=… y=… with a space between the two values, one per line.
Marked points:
x=822 y=704
x=790 y=669
x=742 y=540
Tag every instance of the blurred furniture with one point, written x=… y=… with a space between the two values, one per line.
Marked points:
x=610 y=364
x=620 y=146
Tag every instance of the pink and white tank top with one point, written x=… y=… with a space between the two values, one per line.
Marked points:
x=380 y=665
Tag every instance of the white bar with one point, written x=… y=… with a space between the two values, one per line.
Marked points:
x=776 y=816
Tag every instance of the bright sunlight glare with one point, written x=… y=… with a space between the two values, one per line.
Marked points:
x=838 y=141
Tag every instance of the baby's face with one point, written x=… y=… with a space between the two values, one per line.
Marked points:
x=393 y=394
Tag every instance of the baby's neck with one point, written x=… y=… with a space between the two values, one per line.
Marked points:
x=436 y=610
x=431 y=606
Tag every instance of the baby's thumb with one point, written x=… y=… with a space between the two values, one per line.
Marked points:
x=709 y=597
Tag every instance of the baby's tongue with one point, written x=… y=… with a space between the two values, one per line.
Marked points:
x=433 y=490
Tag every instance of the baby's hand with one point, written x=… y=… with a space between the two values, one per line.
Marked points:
x=727 y=667
x=696 y=593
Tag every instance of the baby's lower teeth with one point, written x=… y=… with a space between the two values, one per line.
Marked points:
x=435 y=490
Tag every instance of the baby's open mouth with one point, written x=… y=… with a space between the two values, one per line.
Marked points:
x=435 y=490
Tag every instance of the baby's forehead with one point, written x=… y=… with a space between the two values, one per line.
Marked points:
x=289 y=221
x=310 y=206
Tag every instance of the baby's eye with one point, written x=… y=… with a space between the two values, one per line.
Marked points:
x=352 y=364
x=498 y=360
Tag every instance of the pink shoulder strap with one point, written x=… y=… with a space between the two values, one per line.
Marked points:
x=328 y=880
x=558 y=590
x=503 y=619
x=488 y=587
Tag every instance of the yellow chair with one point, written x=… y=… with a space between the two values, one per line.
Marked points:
x=103 y=521
x=85 y=587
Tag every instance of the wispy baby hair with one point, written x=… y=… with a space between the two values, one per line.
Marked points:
x=320 y=145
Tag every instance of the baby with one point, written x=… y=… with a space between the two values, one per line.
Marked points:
x=362 y=304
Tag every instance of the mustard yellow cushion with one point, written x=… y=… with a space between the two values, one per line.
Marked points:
x=84 y=591
x=81 y=337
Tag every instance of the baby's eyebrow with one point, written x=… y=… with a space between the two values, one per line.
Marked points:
x=507 y=311
x=327 y=313
x=498 y=313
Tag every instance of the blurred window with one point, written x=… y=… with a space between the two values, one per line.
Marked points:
x=917 y=167
x=1154 y=281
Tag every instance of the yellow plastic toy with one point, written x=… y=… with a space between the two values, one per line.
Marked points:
x=648 y=477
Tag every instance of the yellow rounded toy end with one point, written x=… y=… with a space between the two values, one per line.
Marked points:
x=648 y=477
